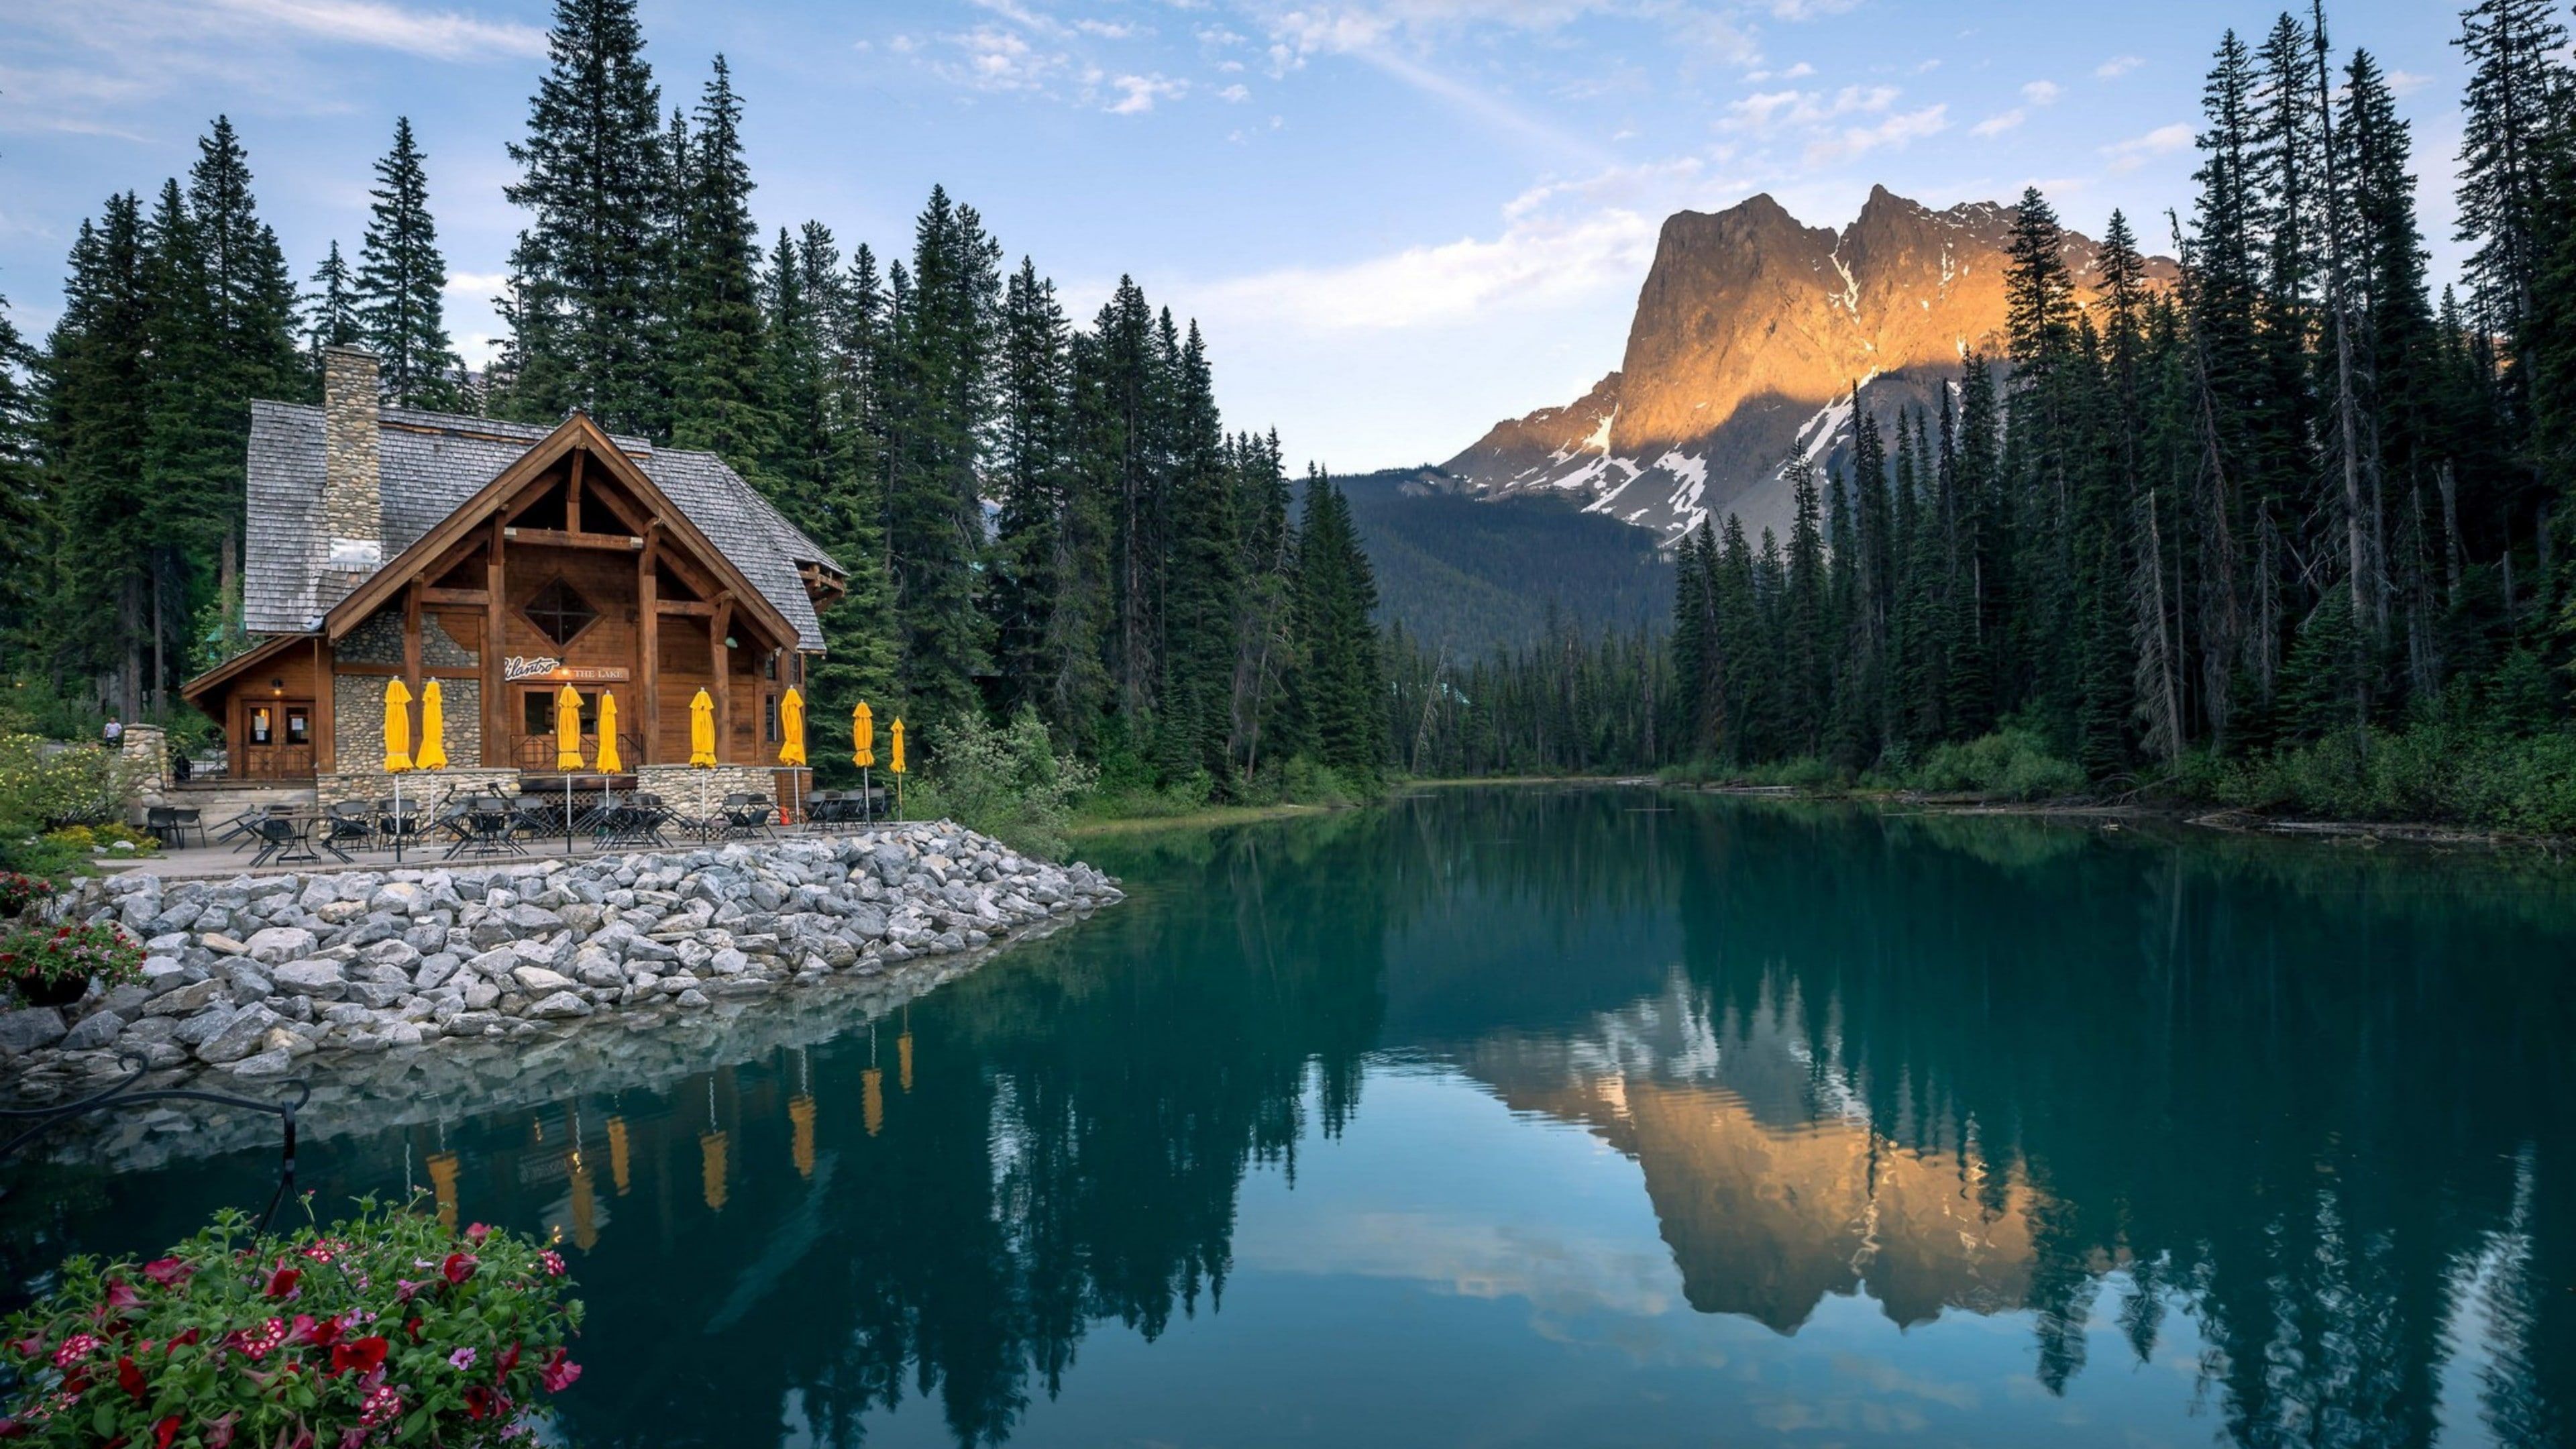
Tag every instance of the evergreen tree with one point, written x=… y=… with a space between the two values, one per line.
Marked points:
x=1341 y=676
x=2511 y=128
x=587 y=307
x=717 y=393
x=1032 y=475
x=331 y=310
x=401 y=283
x=1202 y=578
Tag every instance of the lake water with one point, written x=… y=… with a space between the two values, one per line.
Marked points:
x=1590 y=1117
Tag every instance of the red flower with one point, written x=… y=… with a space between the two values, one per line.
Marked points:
x=482 y=1403
x=506 y=1361
x=554 y=1263
x=282 y=1282
x=459 y=1267
x=130 y=1378
x=361 y=1354
x=122 y=1297
x=320 y=1335
x=559 y=1372
x=186 y=1338
x=165 y=1431
x=412 y=1327
x=28 y=1347
x=168 y=1272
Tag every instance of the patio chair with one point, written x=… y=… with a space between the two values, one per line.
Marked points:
x=347 y=824
x=157 y=819
x=283 y=838
x=184 y=818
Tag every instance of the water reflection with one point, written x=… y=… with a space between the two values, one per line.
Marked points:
x=2287 y=1122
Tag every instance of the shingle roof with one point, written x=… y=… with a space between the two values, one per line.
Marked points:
x=433 y=462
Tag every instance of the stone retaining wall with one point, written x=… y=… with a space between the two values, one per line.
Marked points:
x=251 y=976
x=682 y=788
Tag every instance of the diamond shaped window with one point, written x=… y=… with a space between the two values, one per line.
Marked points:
x=560 y=613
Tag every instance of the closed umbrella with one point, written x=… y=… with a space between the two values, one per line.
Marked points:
x=791 y=743
x=702 y=743
x=397 y=748
x=863 y=734
x=894 y=762
x=432 y=755
x=567 y=749
x=610 y=762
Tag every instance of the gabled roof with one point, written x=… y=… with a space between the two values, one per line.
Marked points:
x=432 y=463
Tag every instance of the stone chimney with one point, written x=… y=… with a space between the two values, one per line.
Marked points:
x=352 y=503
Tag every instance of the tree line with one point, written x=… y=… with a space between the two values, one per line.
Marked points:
x=1034 y=514
x=2296 y=497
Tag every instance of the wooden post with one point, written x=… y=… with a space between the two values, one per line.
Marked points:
x=648 y=645
x=572 y=494
x=411 y=638
x=326 y=743
x=719 y=624
x=496 y=749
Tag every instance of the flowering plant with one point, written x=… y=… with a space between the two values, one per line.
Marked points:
x=35 y=959
x=18 y=892
x=383 y=1329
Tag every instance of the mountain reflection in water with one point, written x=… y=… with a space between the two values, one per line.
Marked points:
x=1337 y=1133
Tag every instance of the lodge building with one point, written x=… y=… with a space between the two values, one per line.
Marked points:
x=504 y=561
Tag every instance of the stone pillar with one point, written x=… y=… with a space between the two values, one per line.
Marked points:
x=352 y=499
x=145 y=750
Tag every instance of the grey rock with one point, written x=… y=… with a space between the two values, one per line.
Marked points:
x=691 y=998
x=538 y=981
x=246 y=1032
x=27 y=1030
x=435 y=970
x=194 y=997
x=280 y=943
x=322 y=979
x=93 y=1031
x=560 y=1004
x=274 y=1062
x=223 y=945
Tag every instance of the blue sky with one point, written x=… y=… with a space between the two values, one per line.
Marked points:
x=1398 y=220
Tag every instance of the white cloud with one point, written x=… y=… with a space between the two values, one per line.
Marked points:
x=1137 y=93
x=1998 y=123
x=2135 y=152
x=436 y=34
x=2406 y=82
x=1535 y=262
x=1234 y=93
x=2117 y=66
x=1896 y=131
x=2042 y=93
x=476 y=285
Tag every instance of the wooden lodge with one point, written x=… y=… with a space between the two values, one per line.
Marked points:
x=503 y=561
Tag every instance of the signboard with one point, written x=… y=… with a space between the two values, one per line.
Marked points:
x=554 y=670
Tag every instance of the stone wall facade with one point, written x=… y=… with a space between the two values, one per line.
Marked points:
x=684 y=789
x=358 y=722
x=352 y=467
x=421 y=785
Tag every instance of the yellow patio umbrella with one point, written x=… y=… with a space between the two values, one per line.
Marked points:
x=433 y=728
x=567 y=729
x=702 y=743
x=567 y=748
x=397 y=727
x=791 y=747
x=609 y=760
x=702 y=732
x=894 y=762
x=863 y=753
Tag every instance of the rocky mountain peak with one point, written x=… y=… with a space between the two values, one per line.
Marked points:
x=1750 y=332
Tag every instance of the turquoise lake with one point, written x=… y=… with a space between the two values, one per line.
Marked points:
x=1586 y=1116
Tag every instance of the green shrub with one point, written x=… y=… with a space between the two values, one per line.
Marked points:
x=2437 y=771
x=44 y=785
x=325 y=1337
x=2013 y=763
x=1008 y=783
x=18 y=891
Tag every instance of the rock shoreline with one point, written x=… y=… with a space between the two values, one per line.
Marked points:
x=246 y=978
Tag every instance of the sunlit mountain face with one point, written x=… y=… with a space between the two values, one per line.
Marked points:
x=1566 y=1117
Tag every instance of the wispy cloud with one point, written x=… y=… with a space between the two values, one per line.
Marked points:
x=2117 y=66
x=2135 y=152
x=436 y=34
x=1998 y=123
x=1137 y=93
x=2042 y=92
x=1533 y=263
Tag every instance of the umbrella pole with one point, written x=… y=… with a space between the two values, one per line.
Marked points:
x=398 y=820
x=567 y=816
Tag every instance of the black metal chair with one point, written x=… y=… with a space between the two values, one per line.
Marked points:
x=184 y=818
x=283 y=838
x=348 y=825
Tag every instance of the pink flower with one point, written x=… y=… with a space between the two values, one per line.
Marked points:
x=120 y=1296
x=74 y=1349
x=381 y=1404
x=462 y=1358
x=554 y=1263
x=477 y=1232
x=168 y=1272
x=559 y=1372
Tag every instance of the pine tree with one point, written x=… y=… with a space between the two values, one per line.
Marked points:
x=331 y=310
x=401 y=283
x=717 y=394
x=29 y=538
x=1202 y=597
x=1032 y=475
x=96 y=369
x=1342 y=676
x=587 y=304
x=2511 y=130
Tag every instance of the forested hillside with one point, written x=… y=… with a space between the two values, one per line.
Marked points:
x=1037 y=514
x=1472 y=576
x=2293 y=531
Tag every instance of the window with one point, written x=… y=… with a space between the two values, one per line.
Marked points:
x=537 y=712
x=261 y=728
x=559 y=613
x=770 y=716
x=299 y=729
